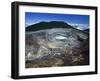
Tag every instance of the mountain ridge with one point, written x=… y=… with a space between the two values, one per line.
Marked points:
x=48 y=25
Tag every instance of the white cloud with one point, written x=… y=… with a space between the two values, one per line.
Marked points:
x=80 y=26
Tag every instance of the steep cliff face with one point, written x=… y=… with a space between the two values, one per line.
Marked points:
x=56 y=47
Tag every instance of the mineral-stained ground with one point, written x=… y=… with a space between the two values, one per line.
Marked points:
x=56 y=47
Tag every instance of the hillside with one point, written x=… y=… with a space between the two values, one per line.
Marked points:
x=47 y=25
x=86 y=30
x=57 y=45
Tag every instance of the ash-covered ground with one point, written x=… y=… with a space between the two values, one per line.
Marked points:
x=56 y=47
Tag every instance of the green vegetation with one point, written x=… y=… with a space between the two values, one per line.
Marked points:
x=47 y=25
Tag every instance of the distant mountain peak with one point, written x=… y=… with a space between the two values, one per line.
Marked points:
x=57 y=22
x=48 y=25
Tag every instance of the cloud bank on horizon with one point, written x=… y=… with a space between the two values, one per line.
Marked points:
x=79 y=21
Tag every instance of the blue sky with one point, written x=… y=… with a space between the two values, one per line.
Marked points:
x=33 y=18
